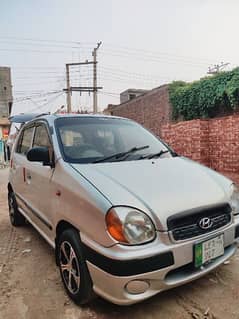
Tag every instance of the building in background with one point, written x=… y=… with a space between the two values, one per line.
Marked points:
x=6 y=101
x=125 y=97
x=131 y=94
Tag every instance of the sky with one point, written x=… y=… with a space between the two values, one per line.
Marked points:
x=144 y=44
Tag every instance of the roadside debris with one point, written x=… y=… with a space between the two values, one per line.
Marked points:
x=27 y=240
x=26 y=251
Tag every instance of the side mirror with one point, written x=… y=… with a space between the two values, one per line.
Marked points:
x=39 y=154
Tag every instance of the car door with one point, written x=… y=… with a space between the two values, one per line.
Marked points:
x=39 y=182
x=19 y=166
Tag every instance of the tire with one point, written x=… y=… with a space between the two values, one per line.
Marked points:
x=73 y=269
x=16 y=218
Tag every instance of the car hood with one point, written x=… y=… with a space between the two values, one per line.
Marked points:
x=161 y=187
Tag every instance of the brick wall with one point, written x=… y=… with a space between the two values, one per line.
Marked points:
x=213 y=142
x=151 y=110
x=188 y=138
x=224 y=143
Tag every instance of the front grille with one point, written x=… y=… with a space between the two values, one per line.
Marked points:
x=186 y=225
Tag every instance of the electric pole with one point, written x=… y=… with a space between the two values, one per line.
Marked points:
x=68 y=90
x=217 y=68
x=94 y=53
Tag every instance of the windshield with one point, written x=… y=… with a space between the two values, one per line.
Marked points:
x=89 y=139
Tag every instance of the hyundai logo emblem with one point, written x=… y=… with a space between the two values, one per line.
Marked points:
x=205 y=223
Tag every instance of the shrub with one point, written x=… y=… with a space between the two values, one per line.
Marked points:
x=207 y=97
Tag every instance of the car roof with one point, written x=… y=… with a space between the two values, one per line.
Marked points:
x=50 y=118
x=87 y=115
x=24 y=117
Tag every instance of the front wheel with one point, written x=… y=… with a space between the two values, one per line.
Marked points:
x=16 y=218
x=73 y=268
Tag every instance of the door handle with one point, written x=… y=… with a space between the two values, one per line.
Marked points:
x=29 y=178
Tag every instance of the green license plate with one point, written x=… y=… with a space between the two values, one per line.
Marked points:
x=208 y=250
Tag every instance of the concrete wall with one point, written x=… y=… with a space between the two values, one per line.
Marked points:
x=126 y=95
x=5 y=91
x=5 y=109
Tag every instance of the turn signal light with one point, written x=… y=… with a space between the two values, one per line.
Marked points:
x=115 y=227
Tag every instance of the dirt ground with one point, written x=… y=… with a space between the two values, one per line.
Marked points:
x=30 y=285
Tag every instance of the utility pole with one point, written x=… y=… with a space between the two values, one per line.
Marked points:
x=94 y=53
x=68 y=89
x=217 y=68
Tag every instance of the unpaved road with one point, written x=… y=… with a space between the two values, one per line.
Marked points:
x=30 y=286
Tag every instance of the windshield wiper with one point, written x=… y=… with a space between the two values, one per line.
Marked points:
x=150 y=156
x=122 y=154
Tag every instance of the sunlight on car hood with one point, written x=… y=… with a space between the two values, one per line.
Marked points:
x=161 y=187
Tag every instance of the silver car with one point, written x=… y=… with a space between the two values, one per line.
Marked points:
x=127 y=217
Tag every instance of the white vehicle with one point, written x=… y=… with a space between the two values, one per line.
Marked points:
x=127 y=217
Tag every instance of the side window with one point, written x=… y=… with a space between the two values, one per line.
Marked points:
x=25 y=140
x=41 y=137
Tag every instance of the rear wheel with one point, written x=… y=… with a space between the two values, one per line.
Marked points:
x=16 y=218
x=73 y=268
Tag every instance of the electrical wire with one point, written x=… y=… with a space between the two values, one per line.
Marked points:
x=45 y=104
x=46 y=40
x=17 y=100
x=155 y=53
x=108 y=47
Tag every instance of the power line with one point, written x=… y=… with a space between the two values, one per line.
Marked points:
x=35 y=67
x=112 y=47
x=133 y=75
x=24 y=98
x=79 y=47
x=154 y=59
x=45 y=104
x=116 y=54
x=39 y=83
x=37 y=72
x=40 y=77
x=155 y=53
x=131 y=81
x=112 y=93
x=33 y=51
x=115 y=97
x=44 y=40
x=124 y=74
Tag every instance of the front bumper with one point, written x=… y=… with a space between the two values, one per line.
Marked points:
x=125 y=275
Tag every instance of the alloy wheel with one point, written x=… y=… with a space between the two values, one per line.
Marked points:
x=69 y=266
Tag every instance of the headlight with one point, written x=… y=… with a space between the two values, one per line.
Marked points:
x=129 y=226
x=234 y=200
